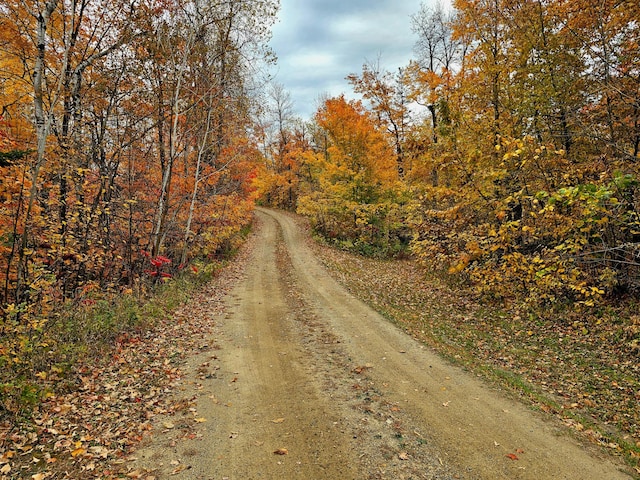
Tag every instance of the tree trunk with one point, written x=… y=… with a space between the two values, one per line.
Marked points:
x=43 y=126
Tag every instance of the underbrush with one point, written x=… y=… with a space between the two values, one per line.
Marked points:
x=381 y=249
x=39 y=364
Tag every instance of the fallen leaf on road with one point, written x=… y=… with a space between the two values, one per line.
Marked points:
x=403 y=456
x=359 y=369
x=98 y=450
x=512 y=456
x=277 y=420
x=178 y=469
x=6 y=456
x=281 y=451
x=168 y=425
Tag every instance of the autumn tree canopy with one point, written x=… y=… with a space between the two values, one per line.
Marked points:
x=127 y=146
x=515 y=135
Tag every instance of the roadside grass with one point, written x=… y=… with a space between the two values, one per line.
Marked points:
x=575 y=364
x=107 y=374
x=80 y=334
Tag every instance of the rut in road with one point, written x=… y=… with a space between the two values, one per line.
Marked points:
x=307 y=371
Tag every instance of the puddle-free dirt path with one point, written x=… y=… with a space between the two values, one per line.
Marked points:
x=306 y=382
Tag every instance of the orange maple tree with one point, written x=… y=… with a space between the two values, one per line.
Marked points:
x=352 y=191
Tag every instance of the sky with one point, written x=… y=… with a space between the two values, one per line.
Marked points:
x=319 y=42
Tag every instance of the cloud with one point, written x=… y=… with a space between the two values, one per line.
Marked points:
x=320 y=42
x=312 y=59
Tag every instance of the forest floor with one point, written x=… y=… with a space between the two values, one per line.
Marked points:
x=276 y=370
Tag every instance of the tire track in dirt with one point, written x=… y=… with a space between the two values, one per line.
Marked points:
x=303 y=366
x=478 y=427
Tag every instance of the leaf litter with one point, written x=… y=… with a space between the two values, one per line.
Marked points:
x=90 y=428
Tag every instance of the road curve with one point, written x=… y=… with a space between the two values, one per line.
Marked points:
x=310 y=383
x=477 y=425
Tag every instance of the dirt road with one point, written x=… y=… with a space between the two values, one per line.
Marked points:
x=303 y=381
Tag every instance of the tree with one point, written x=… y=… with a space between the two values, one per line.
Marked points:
x=606 y=34
x=439 y=54
x=353 y=194
x=284 y=142
x=126 y=134
x=388 y=99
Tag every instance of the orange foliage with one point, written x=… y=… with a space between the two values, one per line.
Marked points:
x=352 y=192
x=139 y=142
x=530 y=187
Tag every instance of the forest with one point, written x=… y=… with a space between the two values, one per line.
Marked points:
x=128 y=152
x=136 y=137
x=506 y=154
